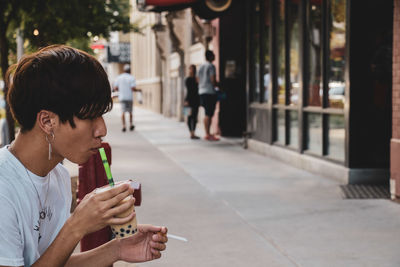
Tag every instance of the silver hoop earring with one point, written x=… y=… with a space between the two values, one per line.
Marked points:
x=50 y=149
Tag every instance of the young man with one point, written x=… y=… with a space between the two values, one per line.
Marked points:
x=58 y=96
x=192 y=100
x=208 y=95
x=126 y=85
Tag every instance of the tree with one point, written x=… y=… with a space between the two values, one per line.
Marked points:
x=45 y=22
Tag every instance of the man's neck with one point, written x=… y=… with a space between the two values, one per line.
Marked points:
x=32 y=151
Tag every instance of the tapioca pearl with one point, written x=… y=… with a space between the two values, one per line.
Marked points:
x=116 y=233
x=121 y=235
x=129 y=226
x=134 y=230
x=122 y=230
x=128 y=231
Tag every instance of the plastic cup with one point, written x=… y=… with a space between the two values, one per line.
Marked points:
x=129 y=228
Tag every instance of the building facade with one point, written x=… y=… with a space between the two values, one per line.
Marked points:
x=145 y=60
x=161 y=57
x=319 y=84
x=306 y=81
x=395 y=141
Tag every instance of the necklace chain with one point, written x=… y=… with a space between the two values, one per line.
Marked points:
x=42 y=211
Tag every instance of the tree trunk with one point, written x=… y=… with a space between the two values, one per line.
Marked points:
x=4 y=66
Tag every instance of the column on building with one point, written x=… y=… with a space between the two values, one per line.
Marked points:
x=181 y=48
x=146 y=60
x=395 y=141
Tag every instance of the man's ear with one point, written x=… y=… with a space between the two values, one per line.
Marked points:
x=47 y=120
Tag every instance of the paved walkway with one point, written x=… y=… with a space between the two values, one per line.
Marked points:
x=238 y=208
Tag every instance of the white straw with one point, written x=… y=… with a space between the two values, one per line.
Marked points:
x=177 y=237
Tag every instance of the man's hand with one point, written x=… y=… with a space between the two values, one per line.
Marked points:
x=97 y=210
x=134 y=89
x=145 y=245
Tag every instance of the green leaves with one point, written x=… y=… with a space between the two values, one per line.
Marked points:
x=45 y=22
x=60 y=21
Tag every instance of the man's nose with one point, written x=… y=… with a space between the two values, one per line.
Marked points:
x=100 y=127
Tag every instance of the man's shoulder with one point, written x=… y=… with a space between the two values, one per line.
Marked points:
x=5 y=161
x=211 y=65
x=9 y=175
x=127 y=75
x=124 y=76
x=204 y=65
x=62 y=170
x=207 y=65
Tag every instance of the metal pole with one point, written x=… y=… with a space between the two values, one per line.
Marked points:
x=20 y=44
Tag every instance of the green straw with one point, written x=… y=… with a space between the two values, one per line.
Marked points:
x=106 y=166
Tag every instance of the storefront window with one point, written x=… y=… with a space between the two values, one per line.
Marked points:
x=336 y=137
x=281 y=52
x=318 y=30
x=280 y=127
x=337 y=44
x=294 y=35
x=256 y=51
x=314 y=133
x=315 y=53
x=267 y=78
x=294 y=129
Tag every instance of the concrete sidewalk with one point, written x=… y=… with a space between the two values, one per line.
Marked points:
x=238 y=208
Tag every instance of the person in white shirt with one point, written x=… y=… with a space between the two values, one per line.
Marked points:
x=208 y=95
x=58 y=96
x=126 y=85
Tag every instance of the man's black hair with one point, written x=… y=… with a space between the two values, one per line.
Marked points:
x=61 y=79
x=210 y=55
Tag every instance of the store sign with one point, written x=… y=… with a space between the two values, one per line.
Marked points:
x=119 y=52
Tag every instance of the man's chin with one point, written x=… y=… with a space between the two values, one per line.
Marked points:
x=80 y=161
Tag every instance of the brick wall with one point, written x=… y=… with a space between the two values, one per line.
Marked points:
x=395 y=142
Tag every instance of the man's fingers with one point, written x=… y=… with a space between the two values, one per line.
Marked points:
x=164 y=230
x=119 y=221
x=156 y=253
x=157 y=245
x=115 y=211
x=159 y=237
x=116 y=190
x=116 y=200
x=149 y=228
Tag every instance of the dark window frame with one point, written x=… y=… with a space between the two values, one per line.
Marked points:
x=324 y=110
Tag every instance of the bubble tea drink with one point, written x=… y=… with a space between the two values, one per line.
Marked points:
x=129 y=228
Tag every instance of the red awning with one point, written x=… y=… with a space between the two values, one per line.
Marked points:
x=206 y=9
x=164 y=5
x=167 y=2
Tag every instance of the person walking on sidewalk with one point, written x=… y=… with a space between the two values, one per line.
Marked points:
x=192 y=100
x=208 y=95
x=58 y=96
x=126 y=85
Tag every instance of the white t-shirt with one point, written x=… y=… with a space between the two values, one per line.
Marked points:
x=20 y=210
x=125 y=82
x=205 y=84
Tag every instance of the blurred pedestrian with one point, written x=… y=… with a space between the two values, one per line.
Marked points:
x=4 y=133
x=125 y=84
x=192 y=100
x=208 y=95
x=58 y=96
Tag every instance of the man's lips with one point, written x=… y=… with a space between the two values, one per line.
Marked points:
x=95 y=149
